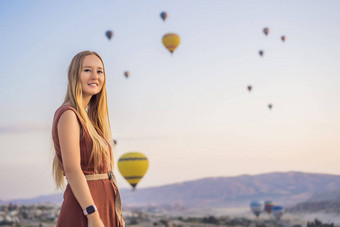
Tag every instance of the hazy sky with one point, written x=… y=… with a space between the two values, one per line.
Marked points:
x=190 y=113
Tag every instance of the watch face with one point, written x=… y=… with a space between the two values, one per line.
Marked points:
x=90 y=209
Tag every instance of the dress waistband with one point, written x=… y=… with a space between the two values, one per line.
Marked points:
x=100 y=176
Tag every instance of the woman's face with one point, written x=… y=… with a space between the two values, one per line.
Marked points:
x=92 y=75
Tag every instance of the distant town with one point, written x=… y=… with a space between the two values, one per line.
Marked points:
x=32 y=215
x=46 y=215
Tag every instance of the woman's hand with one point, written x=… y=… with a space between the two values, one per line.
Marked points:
x=94 y=220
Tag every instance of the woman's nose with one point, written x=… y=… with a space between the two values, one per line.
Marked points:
x=95 y=74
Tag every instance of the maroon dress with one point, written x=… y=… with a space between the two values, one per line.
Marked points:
x=103 y=191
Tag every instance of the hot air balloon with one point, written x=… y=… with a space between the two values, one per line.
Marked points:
x=270 y=106
x=256 y=207
x=261 y=53
x=133 y=166
x=278 y=212
x=164 y=15
x=266 y=30
x=109 y=34
x=115 y=142
x=283 y=38
x=249 y=88
x=268 y=206
x=171 y=41
x=126 y=74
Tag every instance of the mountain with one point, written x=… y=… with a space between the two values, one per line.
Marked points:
x=327 y=202
x=284 y=188
x=2 y=202
x=325 y=196
x=54 y=199
x=328 y=206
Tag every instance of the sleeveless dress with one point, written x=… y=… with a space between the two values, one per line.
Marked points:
x=103 y=191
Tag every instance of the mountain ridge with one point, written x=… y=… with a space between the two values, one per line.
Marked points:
x=241 y=175
x=284 y=188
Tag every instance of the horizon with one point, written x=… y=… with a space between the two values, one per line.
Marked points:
x=176 y=183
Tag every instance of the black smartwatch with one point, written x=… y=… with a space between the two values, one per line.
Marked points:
x=90 y=209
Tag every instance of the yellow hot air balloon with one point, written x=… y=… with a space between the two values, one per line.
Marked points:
x=133 y=166
x=171 y=41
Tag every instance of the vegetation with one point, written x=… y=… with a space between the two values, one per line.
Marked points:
x=318 y=223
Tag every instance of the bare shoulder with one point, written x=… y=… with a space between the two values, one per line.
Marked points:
x=68 y=133
x=68 y=122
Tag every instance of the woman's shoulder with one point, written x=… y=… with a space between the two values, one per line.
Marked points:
x=65 y=117
x=68 y=120
x=67 y=111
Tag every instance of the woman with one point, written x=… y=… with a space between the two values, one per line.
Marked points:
x=83 y=148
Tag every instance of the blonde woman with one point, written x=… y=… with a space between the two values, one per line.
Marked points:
x=83 y=148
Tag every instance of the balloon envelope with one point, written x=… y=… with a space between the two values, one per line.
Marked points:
x=171 y=41
x=126 y=74
x=283 y=38
x=164 y=15
x=278 y=212
x=133 y=166
x=249 y=88
x=270 y=106
x=266 y=30
x=268 y=205
x=256 y=207
x=109 y=34
x=261 y=53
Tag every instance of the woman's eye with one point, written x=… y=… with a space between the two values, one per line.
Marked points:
x=100 y=71
x=87 y=70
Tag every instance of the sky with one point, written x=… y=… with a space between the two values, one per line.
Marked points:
x=190 y=113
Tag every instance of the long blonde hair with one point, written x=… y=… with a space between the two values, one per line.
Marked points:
x=95 y=119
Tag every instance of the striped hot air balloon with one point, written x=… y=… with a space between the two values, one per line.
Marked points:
x=133 y=166
x=268 y=206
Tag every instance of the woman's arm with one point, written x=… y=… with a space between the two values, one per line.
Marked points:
x=69 y=135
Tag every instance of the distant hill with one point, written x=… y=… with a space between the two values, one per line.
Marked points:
x=285 y=188
x=330 y=206
x=55 y=199
x=327 y=202
x=325 y=196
